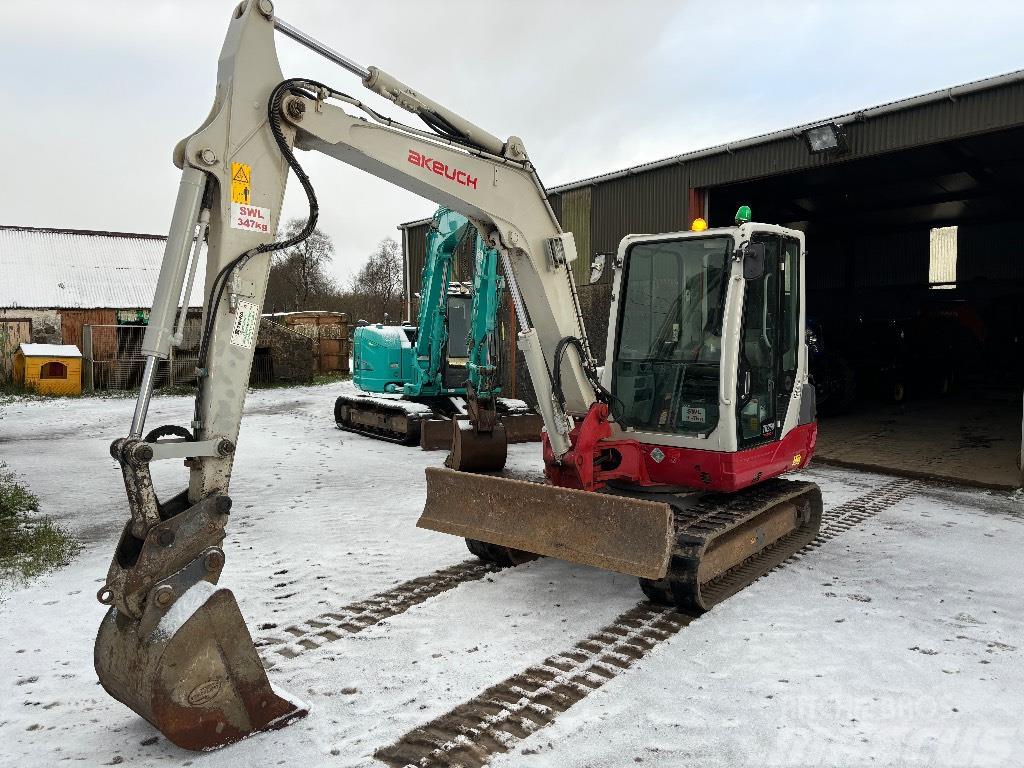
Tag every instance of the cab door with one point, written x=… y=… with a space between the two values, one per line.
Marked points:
x=769 y=344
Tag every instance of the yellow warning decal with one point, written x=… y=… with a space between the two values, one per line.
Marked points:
x=241 y=183
x=797 y=459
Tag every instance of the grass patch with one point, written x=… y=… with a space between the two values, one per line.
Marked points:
x=318 y=380
x=322 y=379
x=11 y=393
x=29 y=545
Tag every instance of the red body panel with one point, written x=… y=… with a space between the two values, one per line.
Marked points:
x=596 y=459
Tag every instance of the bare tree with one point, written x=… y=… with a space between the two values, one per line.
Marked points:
x=297 y=276
x=379 y=282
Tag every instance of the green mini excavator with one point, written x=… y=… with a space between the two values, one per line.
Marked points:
x=419 y=381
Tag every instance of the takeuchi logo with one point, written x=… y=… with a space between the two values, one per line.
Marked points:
x=442 y=169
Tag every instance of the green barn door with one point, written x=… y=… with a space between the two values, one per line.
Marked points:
x=576 y=219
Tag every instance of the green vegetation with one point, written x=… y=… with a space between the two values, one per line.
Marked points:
x=11 y=392
x=318 y=380
x=322 y=379
x=29 y=545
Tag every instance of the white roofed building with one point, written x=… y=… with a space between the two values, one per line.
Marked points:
x=55 y=281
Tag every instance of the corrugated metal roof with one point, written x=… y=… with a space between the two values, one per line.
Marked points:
x=885 y=111
x=82 y=269
x=49 y=350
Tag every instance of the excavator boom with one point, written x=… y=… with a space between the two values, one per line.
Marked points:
x=173 y=645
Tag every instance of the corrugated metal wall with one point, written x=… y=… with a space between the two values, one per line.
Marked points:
x=576 y=213
x=655 y=200
x=72 y=320
x=990 y=251
x=827 y=263
x=555 y=201
x=996 y=109
x=895 y=258
x=649 y=202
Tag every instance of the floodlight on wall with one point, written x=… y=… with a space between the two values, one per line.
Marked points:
x=828 y=137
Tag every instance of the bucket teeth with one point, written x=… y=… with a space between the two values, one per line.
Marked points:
x=196 y=676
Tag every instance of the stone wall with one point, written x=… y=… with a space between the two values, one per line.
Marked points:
x=288 y=354
x=45 y=323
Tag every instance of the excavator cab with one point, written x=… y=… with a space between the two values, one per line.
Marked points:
x=706 y=401
x=705 y=350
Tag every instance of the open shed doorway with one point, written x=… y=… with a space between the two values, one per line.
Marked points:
x=915 y=283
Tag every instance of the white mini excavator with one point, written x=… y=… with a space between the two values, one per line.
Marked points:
x=664 y=465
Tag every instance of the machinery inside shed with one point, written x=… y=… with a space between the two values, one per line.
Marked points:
x=915 y=277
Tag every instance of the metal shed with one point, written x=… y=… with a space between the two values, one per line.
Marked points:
x=913 y=231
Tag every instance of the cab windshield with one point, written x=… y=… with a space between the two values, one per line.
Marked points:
x=669 y=344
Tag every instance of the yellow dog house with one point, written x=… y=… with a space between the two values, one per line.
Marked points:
x=50 y=369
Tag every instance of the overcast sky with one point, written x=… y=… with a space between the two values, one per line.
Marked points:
x=96 y=94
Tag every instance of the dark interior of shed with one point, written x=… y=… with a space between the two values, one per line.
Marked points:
x=908 y=317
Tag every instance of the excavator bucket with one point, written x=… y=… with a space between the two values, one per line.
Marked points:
x=622 y=534
x=436 y=434
x=475 y=451
x=195 y=674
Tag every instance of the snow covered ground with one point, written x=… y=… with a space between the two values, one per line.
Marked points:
x=896 y=643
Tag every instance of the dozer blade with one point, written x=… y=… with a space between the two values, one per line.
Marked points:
x=196 y=675
x=627 y=535
x=474 y=451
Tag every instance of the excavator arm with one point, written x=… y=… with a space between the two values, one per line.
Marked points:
x=173 y=646
x=484 y=344
x=432 y=328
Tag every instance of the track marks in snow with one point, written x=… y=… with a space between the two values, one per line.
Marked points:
x=516 y=707
x=838 y=520
x=493 y=722
x=295 y=639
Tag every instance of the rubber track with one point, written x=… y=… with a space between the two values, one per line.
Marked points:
x=308 y=635
x=493 y=722
x=716 y=515
x=369 y=405
x=372 y=405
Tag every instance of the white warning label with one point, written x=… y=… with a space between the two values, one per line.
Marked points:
x=247 y=323
x=694 y=415
x=250 y=217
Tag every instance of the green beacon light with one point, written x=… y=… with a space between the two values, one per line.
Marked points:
x=743 y=215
